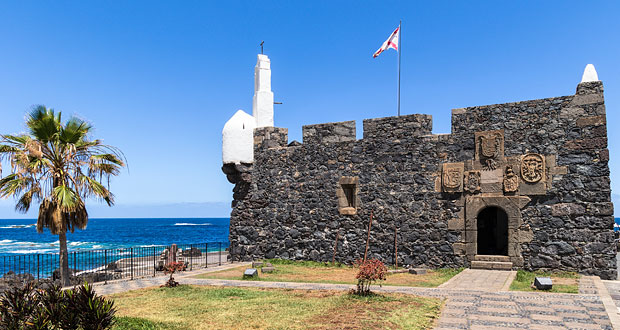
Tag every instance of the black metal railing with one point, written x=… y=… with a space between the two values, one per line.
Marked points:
x=112 y=264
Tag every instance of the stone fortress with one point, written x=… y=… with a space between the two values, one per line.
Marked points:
x=521 y=185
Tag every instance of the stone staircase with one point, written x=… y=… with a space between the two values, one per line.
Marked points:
x=491 y=262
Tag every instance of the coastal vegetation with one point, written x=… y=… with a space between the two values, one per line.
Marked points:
x=317 y=272
x=204 y=307
x=57 y=165
x=563 y=282
x=30 y=307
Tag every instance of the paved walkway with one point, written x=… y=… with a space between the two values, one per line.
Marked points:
x=475 y=299
x=480 y=280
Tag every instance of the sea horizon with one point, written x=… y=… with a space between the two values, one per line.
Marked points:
x=19 y=236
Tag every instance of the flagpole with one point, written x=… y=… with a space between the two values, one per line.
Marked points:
x=400 y=36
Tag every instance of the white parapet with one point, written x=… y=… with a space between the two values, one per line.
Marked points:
x=262 y=104
x=238 y=139
x=589 y=74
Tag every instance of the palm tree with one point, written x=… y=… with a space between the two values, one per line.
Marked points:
x=58 y=166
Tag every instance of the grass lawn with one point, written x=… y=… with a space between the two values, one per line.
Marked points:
x=315 y=272
x=564 y=282
x=204 y=307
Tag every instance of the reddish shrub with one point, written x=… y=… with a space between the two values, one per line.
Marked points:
x=171 y=268
x=370 y=271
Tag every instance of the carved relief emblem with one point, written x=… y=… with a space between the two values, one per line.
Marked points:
x=452 y=177
x=532 y=167
x=490 y=148
x=472 y=181
x=511 y=180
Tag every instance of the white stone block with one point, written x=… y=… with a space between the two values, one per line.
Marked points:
x=589 y=74
x=238 y=139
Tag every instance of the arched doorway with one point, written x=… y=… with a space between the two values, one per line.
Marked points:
x=492 y=223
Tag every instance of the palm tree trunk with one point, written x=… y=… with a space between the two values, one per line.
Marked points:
x=64 y=258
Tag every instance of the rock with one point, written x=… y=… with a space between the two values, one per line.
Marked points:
x=193 y=252
x=56 y=273
x=268 y=264
x=268 y=269
x=250 y=273
x=417 y=271
x=257 y=264
x=543 y=283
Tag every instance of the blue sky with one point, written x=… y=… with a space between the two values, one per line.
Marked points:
x=160 y=79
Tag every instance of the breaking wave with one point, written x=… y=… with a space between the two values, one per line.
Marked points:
x=17 y=226
x=192 y=224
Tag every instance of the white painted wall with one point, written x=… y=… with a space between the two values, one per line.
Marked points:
x=262 y=104
x=238 y=139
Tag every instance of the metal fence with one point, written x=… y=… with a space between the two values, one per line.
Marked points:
x=112 y=264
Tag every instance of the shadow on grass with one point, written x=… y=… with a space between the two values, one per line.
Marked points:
x=137 y=323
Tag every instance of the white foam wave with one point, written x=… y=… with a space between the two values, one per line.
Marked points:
x=192 y=224
x=30 y=251
x=17 y=226
x=5 y=241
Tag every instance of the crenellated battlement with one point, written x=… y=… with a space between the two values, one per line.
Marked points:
x=393 y=128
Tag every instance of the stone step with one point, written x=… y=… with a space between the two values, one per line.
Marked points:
x=494 y=265
x=482 y=257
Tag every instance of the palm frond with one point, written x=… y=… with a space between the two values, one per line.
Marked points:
x=66 y=198
x=96 y=188
x=74 y=131
x=43 y=124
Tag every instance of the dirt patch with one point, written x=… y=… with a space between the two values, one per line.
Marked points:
x=358 y=315
x=564 y=281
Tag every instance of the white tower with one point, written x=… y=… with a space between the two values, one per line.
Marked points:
x=262 y=105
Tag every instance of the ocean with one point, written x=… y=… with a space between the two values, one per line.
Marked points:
x=19 y=236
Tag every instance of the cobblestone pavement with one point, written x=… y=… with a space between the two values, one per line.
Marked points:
x=470 y=302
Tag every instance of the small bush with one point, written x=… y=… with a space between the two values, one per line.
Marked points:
x=370 y=271
x=28 y=307
x=171 y=268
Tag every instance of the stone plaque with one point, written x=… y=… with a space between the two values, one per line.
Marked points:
x=511 y=180
x=472 y=182
x=532 y=167
x=452 y=177
x=490 y=148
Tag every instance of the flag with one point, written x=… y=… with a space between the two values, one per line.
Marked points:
x=391 y=42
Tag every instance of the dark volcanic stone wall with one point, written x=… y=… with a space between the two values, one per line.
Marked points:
x=286 y=204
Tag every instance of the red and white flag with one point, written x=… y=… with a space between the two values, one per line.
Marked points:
x=391 y=42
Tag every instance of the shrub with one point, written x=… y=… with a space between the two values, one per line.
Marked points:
x=370 y=271
x=28 y=307
x=171 y=268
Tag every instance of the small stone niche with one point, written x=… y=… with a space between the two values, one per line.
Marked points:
x=347 y=192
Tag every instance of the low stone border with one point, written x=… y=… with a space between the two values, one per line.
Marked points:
x=509 y=280
x=608 y=302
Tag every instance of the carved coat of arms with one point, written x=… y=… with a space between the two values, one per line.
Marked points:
x=511 y=180
x=532 y=168
x=490 y=148
x=472 y=181
x=452 y=177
